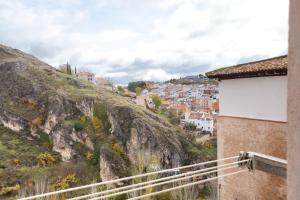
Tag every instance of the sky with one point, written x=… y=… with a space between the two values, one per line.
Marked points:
x=129 y=40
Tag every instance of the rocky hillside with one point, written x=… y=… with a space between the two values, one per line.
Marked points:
x=58 y=129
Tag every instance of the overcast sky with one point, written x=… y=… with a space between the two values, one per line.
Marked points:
x=128 y=40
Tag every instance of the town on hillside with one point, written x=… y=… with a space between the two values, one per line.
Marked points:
x=194 y=104
x=191 y=102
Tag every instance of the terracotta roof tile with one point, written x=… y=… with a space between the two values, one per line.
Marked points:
x=270 y=67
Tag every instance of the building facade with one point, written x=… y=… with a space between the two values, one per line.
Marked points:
x=203 y=121
x=253 y=116
x=88 y=76
x=294 y=102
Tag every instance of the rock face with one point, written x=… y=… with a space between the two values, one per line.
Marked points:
x=112 y=167
x=147 y=136
x=36 y=97
x=13 y=122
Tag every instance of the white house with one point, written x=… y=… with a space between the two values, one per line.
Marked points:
x=202 y=120
x=88 y=76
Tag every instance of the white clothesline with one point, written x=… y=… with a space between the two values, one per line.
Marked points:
x=162 y=183
x=127 y=178
x=187 y=185
x=173 y=177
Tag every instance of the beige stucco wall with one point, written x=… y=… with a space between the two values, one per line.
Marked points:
x=294 y=102
x=242 y=134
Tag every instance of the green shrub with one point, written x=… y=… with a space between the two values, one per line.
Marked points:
x=84 y=120
x=156 y=100
x=97 y=124
x=96 y=154
x=117 y=149
x=138 y=91
x=45 y=140
x=174 y=120
x=163 y=196
x=121 y=89
x=120 y=152
x=190 y=127
x=192 y=150
x=44 y=137
x=121 y=197
x=78 y=126
x=100 y=111
x=133 y=85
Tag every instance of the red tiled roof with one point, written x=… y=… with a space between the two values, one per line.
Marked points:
x=270 y=67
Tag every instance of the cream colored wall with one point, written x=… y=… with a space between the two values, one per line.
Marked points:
x=294 y=102
x=256 y=98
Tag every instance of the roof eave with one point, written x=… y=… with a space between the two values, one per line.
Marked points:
x=277 y=72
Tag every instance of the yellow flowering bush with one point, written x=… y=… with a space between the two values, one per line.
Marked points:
x=65 y=182
x=45 y=159
x=9 y=189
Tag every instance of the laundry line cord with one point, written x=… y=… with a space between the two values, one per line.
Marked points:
x=187 y=185
x=151 y=182
x=127 y=178
x=162 y=183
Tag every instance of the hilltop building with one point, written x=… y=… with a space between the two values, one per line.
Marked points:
x=253 y=117
x=88 y=76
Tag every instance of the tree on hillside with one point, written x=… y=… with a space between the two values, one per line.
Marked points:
x=66 y=68
x=190 y=127
x=121 y=90
x=138 y=91
x=69 y=68
x=156 y=100
x=133 y=85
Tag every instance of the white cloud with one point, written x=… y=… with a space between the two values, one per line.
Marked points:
x=149 y=45
x=114 y=74
x=157 y=75
x=224 y=31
